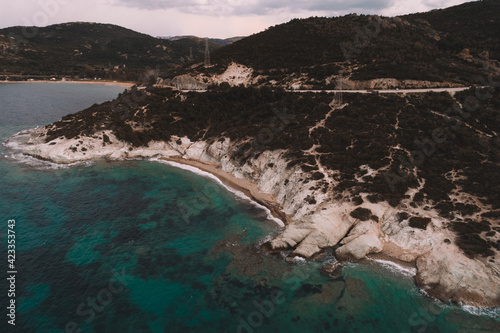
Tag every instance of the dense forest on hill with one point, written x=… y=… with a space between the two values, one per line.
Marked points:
x=91 y=50
x=473 y=25
x=423 y=46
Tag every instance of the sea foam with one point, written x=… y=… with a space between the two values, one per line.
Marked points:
x=393 y=267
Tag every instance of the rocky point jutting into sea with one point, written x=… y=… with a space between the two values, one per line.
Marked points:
x=344 y=176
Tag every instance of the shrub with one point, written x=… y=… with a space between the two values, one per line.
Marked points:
x=419 y=222
x=362 y=214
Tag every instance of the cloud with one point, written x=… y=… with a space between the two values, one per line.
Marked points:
x=258 y=7
x=214 y=18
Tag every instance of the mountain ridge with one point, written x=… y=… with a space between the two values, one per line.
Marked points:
x=312 y=52
x=81 y=49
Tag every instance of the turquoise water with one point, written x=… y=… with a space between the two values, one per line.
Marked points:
x=138 y=246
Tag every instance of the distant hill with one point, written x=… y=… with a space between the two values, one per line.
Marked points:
x=419 y=47
x=218 y=41
x=90 y=50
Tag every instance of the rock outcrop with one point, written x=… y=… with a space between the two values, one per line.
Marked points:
x=235 y=75
x=363 y=239
x=185 y=82
x=446 y=276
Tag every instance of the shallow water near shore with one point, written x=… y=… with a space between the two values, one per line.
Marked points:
x=138 y=246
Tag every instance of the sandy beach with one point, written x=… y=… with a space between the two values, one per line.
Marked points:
x=243 y=185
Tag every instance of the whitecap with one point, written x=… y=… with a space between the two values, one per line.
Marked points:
x=42 y=164
x=492 y=312
x=298 y=259
x=394 y=267
x=475 y=311
x=17 y=141
x=13 y=145
x=266 y=239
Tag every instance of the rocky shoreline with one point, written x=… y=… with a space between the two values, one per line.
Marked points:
x=315 y=220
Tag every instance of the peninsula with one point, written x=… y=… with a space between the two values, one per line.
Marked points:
x=412 y=174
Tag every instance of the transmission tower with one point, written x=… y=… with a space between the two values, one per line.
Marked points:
x=207 y=54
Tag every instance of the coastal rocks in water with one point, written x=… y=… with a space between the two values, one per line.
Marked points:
x=64 y=151
x=320 y=230
x=449 y=275
x=292 y=235
x=363 y=239
x=328 y=230
x=333 y=270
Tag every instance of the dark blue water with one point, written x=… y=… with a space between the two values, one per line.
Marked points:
x=138 y=246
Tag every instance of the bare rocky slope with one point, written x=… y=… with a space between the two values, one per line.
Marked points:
x=397 y=174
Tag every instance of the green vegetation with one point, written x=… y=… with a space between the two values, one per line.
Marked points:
x=362 y=133
x=363 y=214
x=419 y=222
x=88 y=50
x=473 y=25
x=422 y=46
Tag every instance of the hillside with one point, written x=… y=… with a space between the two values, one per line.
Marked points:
x=473 y=25
x=90 y=50
x=393 y=173
x=311 y=52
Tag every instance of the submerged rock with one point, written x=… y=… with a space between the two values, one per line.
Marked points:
x=333 y=270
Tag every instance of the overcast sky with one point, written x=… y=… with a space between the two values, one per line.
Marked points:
x=204 y=18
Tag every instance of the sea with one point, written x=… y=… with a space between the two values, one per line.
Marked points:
x=141 y=246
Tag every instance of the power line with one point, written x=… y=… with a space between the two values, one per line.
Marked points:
x=207 y=54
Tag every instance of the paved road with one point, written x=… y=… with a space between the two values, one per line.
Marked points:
x=387 y=91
